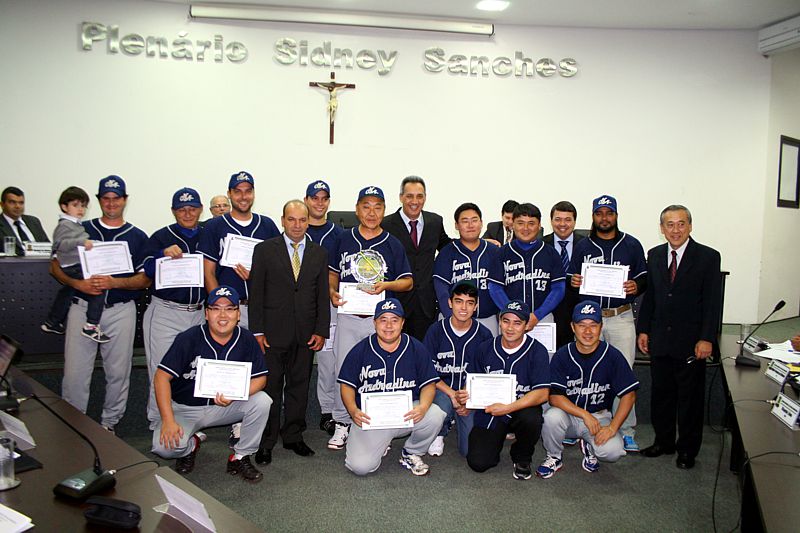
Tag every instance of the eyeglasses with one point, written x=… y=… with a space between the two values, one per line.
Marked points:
x=218 y=309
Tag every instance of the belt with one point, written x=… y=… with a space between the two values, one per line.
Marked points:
x=175 y=305
x=617 y=310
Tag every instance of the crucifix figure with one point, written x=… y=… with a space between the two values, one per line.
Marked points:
x=333 y=102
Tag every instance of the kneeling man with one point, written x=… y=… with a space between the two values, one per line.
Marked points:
x=389 y=361
x=586 y=377
x=183 y=414
x=512 y=352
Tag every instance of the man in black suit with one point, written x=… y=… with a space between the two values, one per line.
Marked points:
x=422 y=235
x=677 y=326
x=563 y=217
x=14 y=223
x=290 y=317
x=502 y=232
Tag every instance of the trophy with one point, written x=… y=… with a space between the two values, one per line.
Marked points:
x=368 y=267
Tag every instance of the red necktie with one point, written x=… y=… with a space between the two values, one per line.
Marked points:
x=413 y=224
x=673 y=267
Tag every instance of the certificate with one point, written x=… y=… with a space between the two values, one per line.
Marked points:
x=186 y=271
x=358 y=302
x=237 y=249
x=546 y=334
x=604 y=280
x=486 y=389
x=387 y=409
x=229 y=378
x=106 y=259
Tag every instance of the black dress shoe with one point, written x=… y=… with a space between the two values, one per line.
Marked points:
x=263 y=456
x=656 y=450
x=684 y=461
x=300 y=448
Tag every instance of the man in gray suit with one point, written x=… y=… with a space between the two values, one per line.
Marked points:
x=14 y=223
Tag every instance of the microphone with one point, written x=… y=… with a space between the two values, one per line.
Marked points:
x=744 y=359
x=83 y=484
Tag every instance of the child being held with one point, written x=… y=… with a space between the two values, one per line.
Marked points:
x=68 y=235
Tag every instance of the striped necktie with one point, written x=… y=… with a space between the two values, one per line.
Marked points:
x=564 y=256
x=295 y=261
x=673 y=267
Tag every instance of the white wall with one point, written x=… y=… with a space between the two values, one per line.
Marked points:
x=780 y=253
x=653 y=117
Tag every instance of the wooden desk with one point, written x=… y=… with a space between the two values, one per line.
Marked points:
x=771 y=484
x=63 y=453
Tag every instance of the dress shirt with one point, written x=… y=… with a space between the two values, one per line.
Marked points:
x=28 y=235
x=681 y=250
x=290 y=248
x=420 y=224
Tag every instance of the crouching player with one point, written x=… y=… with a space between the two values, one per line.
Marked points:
x=586 y=377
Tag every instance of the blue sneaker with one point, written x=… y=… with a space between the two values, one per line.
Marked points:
x=569 y=442
x=550 y=466
x=590 y=462
x=629 y=444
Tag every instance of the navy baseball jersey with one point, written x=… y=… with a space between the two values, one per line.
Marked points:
x=137 y=245
x=180 y=360
x=457 y=263
x=351 y=243
x=370 y=368
x=187 y=240
x=212 y=241
x=452 y=353
x=529 y=363
x=326 y=235
x=528 y=275
x=591 y=381
x=623 y=250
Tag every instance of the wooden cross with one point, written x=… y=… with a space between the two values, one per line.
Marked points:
x=333 y=102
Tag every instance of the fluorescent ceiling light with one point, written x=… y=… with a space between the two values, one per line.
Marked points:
x=492 y=5
x=338 y=18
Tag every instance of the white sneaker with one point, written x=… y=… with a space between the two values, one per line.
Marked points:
x=339 y=438
x=413 y=463
x=202 y=436
x=436 y=448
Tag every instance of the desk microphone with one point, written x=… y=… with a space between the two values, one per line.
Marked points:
x=83 y=484
x=744 y=359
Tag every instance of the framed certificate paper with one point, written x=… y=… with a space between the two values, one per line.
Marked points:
x=358 y=302
x=604 y=280
x=186 y=271
x=387 y=409
x=238 y=250
x=106 y=259
x=546 y=334
x=229 y=378
x=486 y=389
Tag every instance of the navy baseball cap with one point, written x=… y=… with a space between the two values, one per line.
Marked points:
x=113 y=184
x=223 y=291
x=587 y=310
x=463 y=284
x=317 y=186
x=241 y=177
x=371 y=191
x=604 y=201
x=517 y=307
x=186 y=197
x=389 y=305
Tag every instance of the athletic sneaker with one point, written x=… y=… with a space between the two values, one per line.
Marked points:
x=243 y=467
x=339 y=438
x=327 y=424
x=387 y=450
x=629 y=443
x=413 y=463
x=233 y=438
x=200 y=435
x=93 y=332
x=436 y=448
x=110 y=429
x=184 y=465
x=590 y=462
x=49 y=327
x=511 y=436
x=549 y=466
x=569 y=442
x=522 y=471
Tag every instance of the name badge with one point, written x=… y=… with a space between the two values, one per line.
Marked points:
x=777 y=371
x=786 y=410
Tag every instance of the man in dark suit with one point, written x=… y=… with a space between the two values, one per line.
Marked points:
x=502 y=232
x=290 y=317
x=422 y=235
x=563 y=217
x=14 y=223
x=677 y=326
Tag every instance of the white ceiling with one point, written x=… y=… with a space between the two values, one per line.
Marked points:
x=635 y=14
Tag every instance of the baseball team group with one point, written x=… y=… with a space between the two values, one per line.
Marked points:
x=410 y=329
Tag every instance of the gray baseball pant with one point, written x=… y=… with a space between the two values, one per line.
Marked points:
x=559 y=425
x=350 y=329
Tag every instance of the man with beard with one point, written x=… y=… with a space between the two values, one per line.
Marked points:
x=609 y=246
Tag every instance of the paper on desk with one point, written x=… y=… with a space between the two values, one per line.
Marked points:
x=18 y=430
x=780 y=355
x=182 y=506
x=785 y=345
x=12 y=521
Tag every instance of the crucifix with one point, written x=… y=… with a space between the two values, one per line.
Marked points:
x=333 y=102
